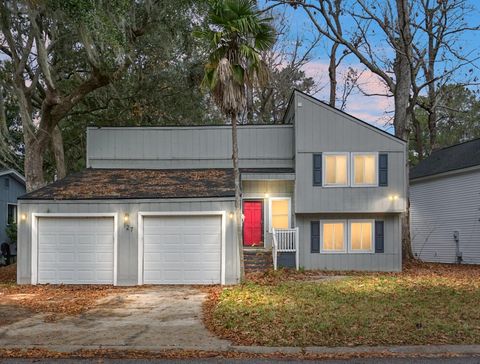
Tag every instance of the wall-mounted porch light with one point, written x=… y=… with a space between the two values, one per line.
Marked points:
x=23 y=217
x=231 y=214
x=267 y=195
x=126 y=222
x=393 y=197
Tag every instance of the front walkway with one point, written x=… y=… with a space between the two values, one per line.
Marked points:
x=154 y=317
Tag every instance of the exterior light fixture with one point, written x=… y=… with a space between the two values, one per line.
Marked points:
x=266 y=195
x=23 y=217
x=230 y=215
x=126 y=222
x=395 y=197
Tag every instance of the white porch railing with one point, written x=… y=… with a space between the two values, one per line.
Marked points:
x=285 y=241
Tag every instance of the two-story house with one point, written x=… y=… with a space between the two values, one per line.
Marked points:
x=156 y=204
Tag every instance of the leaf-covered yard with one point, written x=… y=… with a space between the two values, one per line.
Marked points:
x=20 y=301
x=426 y=304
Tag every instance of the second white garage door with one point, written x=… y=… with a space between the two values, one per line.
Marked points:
x=182 y=249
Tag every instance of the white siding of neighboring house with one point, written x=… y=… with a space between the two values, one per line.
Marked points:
x=440 y=206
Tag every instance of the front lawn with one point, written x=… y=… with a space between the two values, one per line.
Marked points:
x=426 y=304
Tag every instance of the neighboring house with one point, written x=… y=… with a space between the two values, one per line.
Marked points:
x=445 y=205
x=12 y=185
x=155 y=205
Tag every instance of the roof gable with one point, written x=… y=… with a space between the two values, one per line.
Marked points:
x=345 y=115
x=14 y=174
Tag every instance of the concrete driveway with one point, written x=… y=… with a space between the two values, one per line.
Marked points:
x=143 y=318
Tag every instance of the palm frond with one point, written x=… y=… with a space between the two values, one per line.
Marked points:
x=236 y=35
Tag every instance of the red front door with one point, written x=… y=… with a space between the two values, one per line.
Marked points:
x=253 y=223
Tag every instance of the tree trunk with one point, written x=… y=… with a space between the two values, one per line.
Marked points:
x=58 y=152
x=418 y=137
x=332 y=74
x=238 y=197
x=432 y=122
x=403 y=77
x=34 y=152
x=250 y=104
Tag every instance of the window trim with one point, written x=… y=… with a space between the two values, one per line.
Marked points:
x=270 y=211
x=345 y=236
x=352 y=172
x=350 y=249
x=324 y=169
x=15 y=216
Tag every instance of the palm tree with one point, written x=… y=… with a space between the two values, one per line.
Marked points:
x=236 y=35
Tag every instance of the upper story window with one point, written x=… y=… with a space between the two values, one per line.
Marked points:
x=336 y=169
x=365 y=171
x=355 y=169
x=7 y=183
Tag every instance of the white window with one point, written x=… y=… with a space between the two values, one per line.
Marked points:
x=361 y=236
x=365 y=171
x=333 y=236
x=336 y=169
x=279 y=213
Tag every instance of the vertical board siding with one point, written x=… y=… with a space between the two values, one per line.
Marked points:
x=127 y=240
x=388 y=261
x=441 y=206
x=319 y=129
x=195 y=147
x=8 y=196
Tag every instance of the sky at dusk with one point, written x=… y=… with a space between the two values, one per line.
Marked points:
x=373 y=109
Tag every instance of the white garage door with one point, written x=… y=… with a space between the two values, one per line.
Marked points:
x=182 y=249
x=75 y=250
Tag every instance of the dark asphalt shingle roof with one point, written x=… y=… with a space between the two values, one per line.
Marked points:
x=102 y=184
x=451 y=158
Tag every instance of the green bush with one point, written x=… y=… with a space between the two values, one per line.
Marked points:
x=11 y=231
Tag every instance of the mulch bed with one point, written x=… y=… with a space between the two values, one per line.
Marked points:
x=8 y=274
x=409 y=269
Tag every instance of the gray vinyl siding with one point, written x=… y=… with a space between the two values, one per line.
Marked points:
x=390 y=260
x=127 y=240
x=440 y=206
x=8 y=196
x=256 y=190
x=189 y=147
x=319 y=129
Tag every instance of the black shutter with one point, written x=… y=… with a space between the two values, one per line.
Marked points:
x=317 y=169
x=315 y=236
x=383 y=169
x=379 y=237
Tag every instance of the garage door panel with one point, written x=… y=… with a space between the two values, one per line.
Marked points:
x=182 y=249
x=75 y=250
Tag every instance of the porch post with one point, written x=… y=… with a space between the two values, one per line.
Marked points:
x=297 y=247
